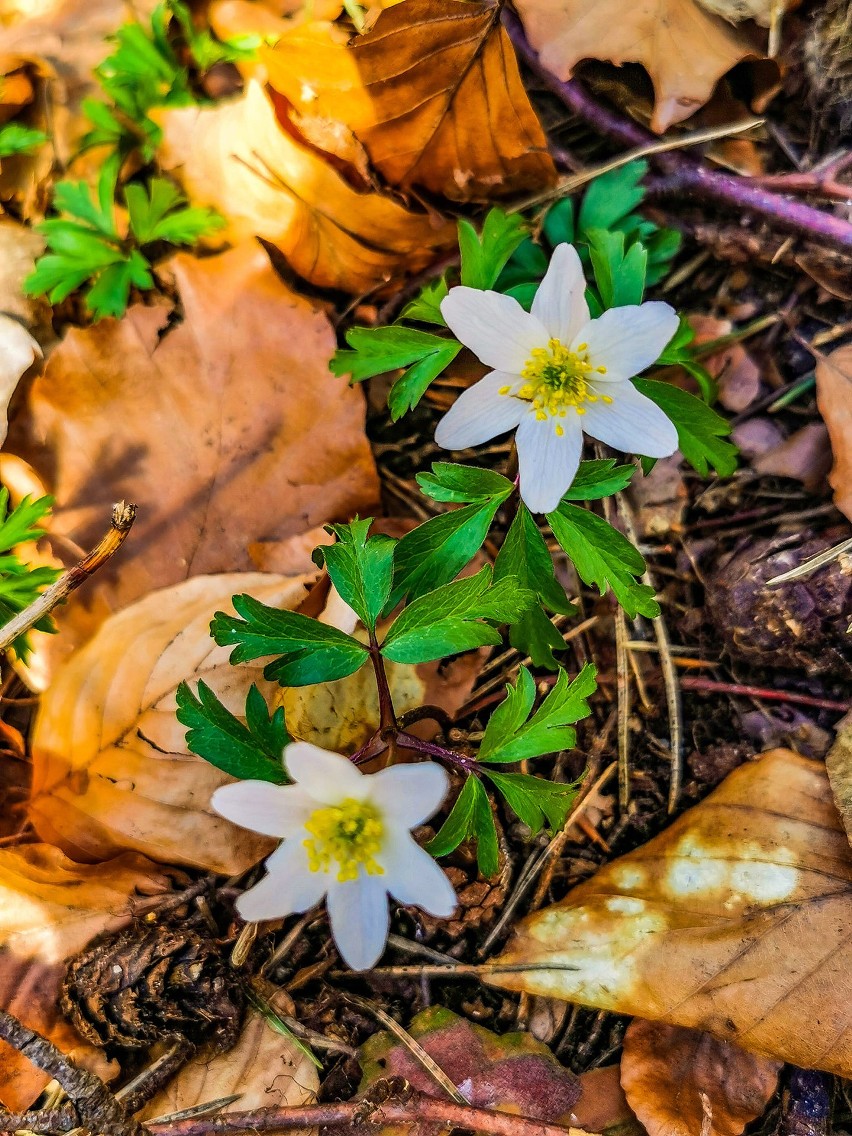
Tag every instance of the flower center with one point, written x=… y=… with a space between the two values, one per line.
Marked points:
x=350 y=834
x=556 y=380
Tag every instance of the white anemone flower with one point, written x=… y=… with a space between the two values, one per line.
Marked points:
x=346 y=836
x=557 y=375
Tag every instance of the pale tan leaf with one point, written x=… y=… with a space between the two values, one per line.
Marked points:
x=735 y=920
x=680 y=1082
x=224 y=428
x=18 y=352
x=432 y=91
x=265 y=1068
x=237 y=158
x=684 y=49
x=111 y=770
x=834 y=398
x=838 y=762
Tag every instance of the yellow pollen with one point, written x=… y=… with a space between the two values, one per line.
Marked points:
x=350 y=834
x=557 y=380
x=606 y=399
x=560 y=430
x=601 y=370
x=504 y=390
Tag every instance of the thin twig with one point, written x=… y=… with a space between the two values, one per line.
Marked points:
x=828 y=556
x=623 y=698
x=123 y=516
x=771 y=695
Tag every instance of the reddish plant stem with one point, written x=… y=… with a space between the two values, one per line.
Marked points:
x=387 y=715
x=451 y=756
x=679 y=173
x=712 y=686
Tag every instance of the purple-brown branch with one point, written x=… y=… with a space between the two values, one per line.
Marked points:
x=678 y=172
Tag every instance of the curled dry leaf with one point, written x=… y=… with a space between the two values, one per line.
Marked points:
x=50 y=908
x=432 y=91
x=225 y=429
x=237 y=158
x=684 y=49
x=838 y=762
x=735 y=920
x=834 y=398
x=111 y=770
x=264 y=1068
x=18 y=352
x=680 y=1081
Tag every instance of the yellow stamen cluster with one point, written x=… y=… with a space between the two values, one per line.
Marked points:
x=349 y=834
x=556 y=380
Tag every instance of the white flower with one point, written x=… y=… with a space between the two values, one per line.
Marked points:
x=557 y=375
x=346 y=835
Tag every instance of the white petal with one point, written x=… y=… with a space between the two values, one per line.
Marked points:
x=495 y=327
x=409 y=793
x=412 y=876
x=547 y=462
x=481 y=413
x=358 y=913
x=631 y=422
x=325 y=776
x=560 y=302
x=627 y=340
x=274 y=810
x=289 y=886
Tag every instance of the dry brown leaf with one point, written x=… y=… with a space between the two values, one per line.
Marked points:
x=237 y=158
x=735 y=920
x=225 y=429
x=680 y=1082
x=50 y=908
x=838 y=762
x=603 y=1106
x=684 y=49
x=432 y=91
x=805 y=456
x=264 y=1068
x=834 y=398
x=18 y=352
x=111 y=770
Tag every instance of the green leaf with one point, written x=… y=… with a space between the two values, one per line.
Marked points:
x=619 y=272
x=700 y=430
x=409 y=388
x=249 y=749
x=470 y=819
x=534 y=635
x=537 y=802
x=15 y=138
x=611 y=196
x=484 y=256
x=528 y=263
x=448 y=620
x=603 y=557
x=158 y=212
x=457 y=827
x=558 y=226
x=510 y=737
x=109 y=294
x=75 y=199
x=599 y=478
x=361 y=568
x=20 y=585
x=680 y=352
x=427 y=306
x=463 y=484
x=309 y=651
x=525 y=556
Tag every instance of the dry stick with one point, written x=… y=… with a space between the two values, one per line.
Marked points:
x=123 y=516
x=713 y=687
x=681 y=174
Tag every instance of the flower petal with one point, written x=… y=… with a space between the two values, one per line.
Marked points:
x=409 y=794
x=412 y=876
x=358 y=913
x=274 y=810
x=547 y=462
x=560 y=302
x=627 y=340
x=495 y=327
x=289 y=886
x=631 y=422
x=481 y=413
x=325 y=776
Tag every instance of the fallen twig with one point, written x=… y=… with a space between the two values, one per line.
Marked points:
x=713 y=687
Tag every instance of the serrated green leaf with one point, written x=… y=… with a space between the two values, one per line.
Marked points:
x=109 y=294
x=484 y=257
x=463 y=484
x=537 y=802
x=534 y=635
x=525 y=556
x=158 y=212
x=427 y=306
x=20 y=585
x=361 y=568
x=558 y=226
x=409 y=388
x=603 y=558
x=15 y=138
x=611 y=196
x=380 y=349
x=249 y=749
x=700 y=430
x=619 y=271
x=457 y=826
x=680 y=352
x=599 y=478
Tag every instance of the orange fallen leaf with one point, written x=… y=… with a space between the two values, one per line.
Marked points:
x=224 y=429
x=237 y=158
x=50 y=908
x=734 y=920
x=432 y=91
x=834 y=398
x=684 y=49
x=111 y=770
x=680 y=1081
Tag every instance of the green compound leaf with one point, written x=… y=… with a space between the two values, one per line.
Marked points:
x=538 y=803
x=426 y=308
x=470 y=819
x=680 y=352
x=463 y=484
x=483 y=257
x=15 y=138
x=20 y=585
x=603 y=558
x=612 y=196
x=619 y=271
x=158 y=212
x=361 y=568
x=250 y=750
x=700 y=430
x=599 y=478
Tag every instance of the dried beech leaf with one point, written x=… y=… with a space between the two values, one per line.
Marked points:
x=264 y=1068
x=18 y=352
x=735 y=920
x=218 y=429
x=838 y=762
x=237 y=158
x=834 y=398
x=684 y=49
x=111 y=770
x=432 y=91
x=50 y=908
x=681 y=1081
